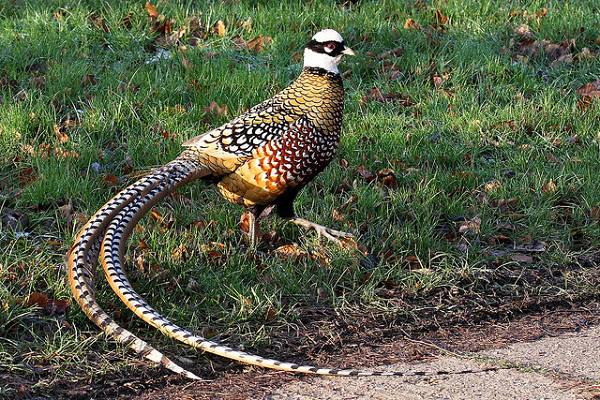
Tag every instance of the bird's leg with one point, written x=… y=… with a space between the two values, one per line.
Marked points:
x=321 y=230
x=253 y=230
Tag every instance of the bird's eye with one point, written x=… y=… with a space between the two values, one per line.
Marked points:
x=331 y=46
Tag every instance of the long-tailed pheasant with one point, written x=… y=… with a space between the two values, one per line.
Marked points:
x=261 y=158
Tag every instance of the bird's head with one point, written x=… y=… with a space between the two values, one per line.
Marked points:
x=325 y=50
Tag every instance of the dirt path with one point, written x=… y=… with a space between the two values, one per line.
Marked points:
x=562 y=368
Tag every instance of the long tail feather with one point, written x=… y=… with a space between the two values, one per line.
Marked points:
x=83 y=256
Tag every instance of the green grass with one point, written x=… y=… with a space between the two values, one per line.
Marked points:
x=514 y=125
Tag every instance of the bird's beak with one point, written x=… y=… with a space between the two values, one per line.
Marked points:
x=348 y=51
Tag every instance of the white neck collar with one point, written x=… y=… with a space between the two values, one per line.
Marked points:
x=322 y=60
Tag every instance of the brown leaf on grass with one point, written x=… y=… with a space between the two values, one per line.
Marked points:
x=49 y=305
x=54 y=307
x=62 y=137
x=498 y=239
x=344 y=187
x=589 y=90
x=35 y=299
x=594 y=213
x=337 y=215
x=180 y=252
x=374 y=94
x=215 y=110
x=245 y=222
x=504 y=205
x=523 y=31
x=365 y=173
x=20 y=96
x=220 y=28
x=28 y=175
x=412 y=262
x=58 y=15
x=88 y=80
x=152 y=12
x=553 y=159
x=127 y=19
x=439 y=80
x=258 y=44
x=38 y=82
x=159 y=23
x=291 y=251
x=387 y=177
x=13 y=219
x=411 y=24
x=247 y=25
x=506 y=125
x=187 y=64
x=143 y=246
x=390 y=54
x=110 y=180
x=440 y=19
x=491 y=186
x=549 y=187
x=270 y=314
x=351 y=200
x=99 y=23
x=471 y=225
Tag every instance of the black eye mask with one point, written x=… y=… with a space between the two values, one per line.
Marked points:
x=319 y=47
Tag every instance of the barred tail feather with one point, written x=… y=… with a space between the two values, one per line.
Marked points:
x=83 y=257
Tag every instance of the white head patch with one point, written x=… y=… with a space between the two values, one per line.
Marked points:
x=328 y=35
x=323 y=59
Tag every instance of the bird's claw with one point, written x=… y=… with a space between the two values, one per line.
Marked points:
x=322 y=231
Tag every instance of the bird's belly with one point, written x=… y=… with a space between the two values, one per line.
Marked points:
x=262 y=180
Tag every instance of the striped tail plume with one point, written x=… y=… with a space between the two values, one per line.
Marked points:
x=105 y=236
x=83 y=256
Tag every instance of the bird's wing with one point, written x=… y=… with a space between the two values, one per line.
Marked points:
x=256 y=127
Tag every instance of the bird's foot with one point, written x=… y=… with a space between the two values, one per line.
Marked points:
x=321 y=230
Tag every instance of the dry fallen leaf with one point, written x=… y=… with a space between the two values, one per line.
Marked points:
x=589 y=89
x=290 y=251
x=258 y=44
x=411 y=24
x=215 y=110
x=110 y=180
x=374 y=94
x=412 y=262
x=549 y=187
x=28 y=175
x=152 y=12
x=387 y=177
x=365 y=173
x=440 y=18
x=245 y=222
x=220 y=28
x=37 y=299
x=62 y=137
x=471 y=225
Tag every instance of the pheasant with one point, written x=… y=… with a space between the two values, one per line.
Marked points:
x=263 y=157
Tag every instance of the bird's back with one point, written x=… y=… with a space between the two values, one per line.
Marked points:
x=278 y=145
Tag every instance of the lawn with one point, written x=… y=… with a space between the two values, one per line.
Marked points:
x=468 y=171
